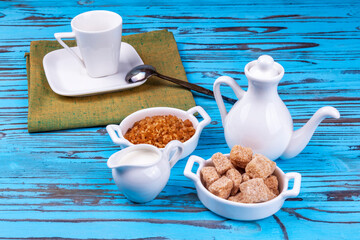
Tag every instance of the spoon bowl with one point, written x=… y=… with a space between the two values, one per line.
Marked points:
x=143 y=72
x=140 y=73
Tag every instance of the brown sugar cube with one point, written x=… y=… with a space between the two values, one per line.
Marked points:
x=209 y=175
x=245 y=177
x=255 y=191
x=240 y=156
x=221 y=187
x=260 y=167
x=273 y=184
x=241 y=198
x=236 y=178
x=221 y=162
x=237 y=198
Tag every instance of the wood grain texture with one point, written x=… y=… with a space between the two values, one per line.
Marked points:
x=57 y=185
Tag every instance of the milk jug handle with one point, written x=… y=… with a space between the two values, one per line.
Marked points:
x=170 y=147
x=219 y=101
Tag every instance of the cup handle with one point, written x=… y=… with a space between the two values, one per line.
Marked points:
x=58 y=37
x=189 y=165
x=203 y=114
x=217 y=94
x=114 y=132
x=178 y=146
x=296 y=188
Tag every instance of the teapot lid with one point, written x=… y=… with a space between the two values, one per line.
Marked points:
x=264 y=67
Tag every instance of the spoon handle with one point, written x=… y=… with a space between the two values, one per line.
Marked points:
x=193 y=87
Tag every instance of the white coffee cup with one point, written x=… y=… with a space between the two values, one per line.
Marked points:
x=98 y=37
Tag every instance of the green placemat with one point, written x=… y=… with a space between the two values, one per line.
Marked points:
x=49 y=111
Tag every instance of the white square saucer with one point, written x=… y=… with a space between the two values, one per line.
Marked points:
x=68 y=78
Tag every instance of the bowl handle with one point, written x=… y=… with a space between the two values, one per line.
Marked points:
x=296 y=188
x=189 y=165
x=114 y=132
x=203 y=114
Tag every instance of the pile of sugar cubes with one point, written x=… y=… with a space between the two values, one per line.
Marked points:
x=244 y=178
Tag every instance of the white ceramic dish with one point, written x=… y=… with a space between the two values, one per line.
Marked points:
x=68 y=78
x=242 y=211
x=117 y=132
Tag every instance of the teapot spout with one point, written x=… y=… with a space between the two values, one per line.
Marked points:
x=301 y=137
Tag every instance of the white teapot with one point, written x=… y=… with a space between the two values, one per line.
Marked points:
x=259 y=119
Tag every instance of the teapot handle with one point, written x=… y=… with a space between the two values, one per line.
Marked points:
x=219 y=101
x=178 y=146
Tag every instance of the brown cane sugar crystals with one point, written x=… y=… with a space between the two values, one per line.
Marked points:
x=243 y=177
x=160 y=130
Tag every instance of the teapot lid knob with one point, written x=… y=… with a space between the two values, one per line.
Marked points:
x=265 y=62
x=264 y=67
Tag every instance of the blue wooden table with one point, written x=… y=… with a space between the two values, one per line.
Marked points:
x=57 y=184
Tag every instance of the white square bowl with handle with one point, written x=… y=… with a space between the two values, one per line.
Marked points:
x=117 y=132
x=242 y=211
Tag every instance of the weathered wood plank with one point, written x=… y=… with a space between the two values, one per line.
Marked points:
x=57 y=184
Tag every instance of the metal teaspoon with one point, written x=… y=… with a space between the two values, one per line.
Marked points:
x=143 y=72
